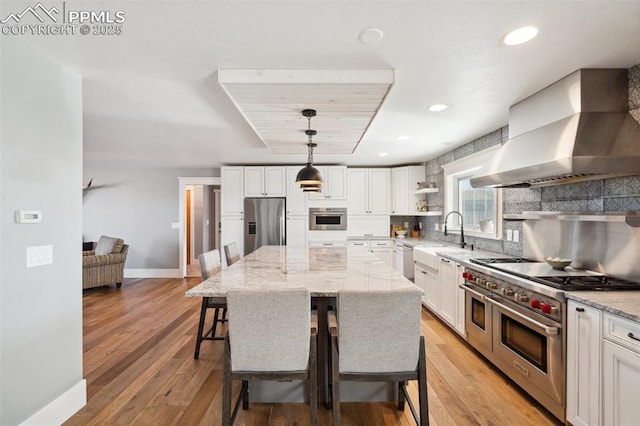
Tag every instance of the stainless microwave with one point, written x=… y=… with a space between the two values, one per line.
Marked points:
x=327 y=219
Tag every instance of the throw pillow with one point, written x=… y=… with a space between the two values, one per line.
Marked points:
x=108 y=245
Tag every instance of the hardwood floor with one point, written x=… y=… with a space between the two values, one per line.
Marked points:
x=139 y=367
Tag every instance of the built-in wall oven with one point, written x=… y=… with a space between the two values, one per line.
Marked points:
x=327 y=219
x=527 y=346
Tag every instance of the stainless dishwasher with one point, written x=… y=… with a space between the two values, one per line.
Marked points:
x=403 y=262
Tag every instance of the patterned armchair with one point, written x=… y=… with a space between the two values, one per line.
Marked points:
x=105 y=264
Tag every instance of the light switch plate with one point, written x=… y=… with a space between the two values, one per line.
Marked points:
x=509 y=234
x=39 y=255
x=175 y=225
x=516 y=235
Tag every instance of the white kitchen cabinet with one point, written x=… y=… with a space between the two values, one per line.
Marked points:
x=232 y=228
x=384 y=254
x=368 y=225
x=403 y=186
x=431 y=292
x=621 y=377
x=368 y=191
x=297 y=230
x=382 y=249
x=232 y=191
x=296 y=199
x=583 y=364
x=459 y=300
x=447 y=288
x=620 y=371
x=334 y=186
x=264 y=181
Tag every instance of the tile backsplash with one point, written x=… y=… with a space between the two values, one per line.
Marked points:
x=613 y=194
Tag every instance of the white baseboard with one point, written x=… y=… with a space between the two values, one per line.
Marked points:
x=62 y=408
x=152 y=273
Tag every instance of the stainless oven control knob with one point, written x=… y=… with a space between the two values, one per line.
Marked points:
x=507 y=291
x=480 y=281
x=491 y=285
x=520 y=297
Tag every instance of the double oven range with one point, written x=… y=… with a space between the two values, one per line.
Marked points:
x=515 y=315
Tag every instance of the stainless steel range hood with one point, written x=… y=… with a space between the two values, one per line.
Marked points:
x=577 y=129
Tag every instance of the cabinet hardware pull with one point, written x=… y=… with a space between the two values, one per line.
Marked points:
x=445 y=260
x=630 y=334
x=424 y=272
x=579 y=309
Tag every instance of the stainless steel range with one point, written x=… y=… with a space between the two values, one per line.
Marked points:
x=515 y=316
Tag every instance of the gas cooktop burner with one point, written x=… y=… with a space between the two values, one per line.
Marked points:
x=570 y=280
x=587 y=283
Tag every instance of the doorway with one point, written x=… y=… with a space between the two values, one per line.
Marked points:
x=202 y=223
x=199 y=212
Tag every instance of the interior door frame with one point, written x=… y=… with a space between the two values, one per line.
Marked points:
x=182 y=193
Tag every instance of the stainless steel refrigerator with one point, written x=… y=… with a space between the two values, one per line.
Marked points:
x=264 y=223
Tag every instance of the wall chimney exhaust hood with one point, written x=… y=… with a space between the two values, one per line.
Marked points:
x=577 y=129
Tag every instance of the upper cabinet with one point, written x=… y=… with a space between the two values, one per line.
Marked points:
x=264 y=182
x=334 y=186
x=296 y=199
x=231 y=189
x=404 y=183
x=369 y=191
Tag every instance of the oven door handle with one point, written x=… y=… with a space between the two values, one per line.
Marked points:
x=546 y=328
x=481 y=296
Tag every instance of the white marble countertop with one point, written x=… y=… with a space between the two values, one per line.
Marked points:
x=623 y=303
x=323 y=271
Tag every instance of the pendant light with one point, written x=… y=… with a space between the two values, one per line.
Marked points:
x=309 y=177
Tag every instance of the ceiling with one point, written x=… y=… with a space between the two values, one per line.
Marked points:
x=272 y=102
x=152 y=98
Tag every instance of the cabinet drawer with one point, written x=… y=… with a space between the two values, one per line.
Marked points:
x=361 y=244
x=622 y=331
x=327 y=244
x=381 y=244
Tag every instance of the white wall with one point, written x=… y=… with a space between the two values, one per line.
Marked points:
x=138 y=205
x=40 y=168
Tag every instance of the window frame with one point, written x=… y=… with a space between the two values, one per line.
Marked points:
x=461 y=169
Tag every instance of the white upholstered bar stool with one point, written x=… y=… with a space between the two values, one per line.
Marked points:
x=376 y=337
x=272 y=336
x=210 y=265
x=231 y=253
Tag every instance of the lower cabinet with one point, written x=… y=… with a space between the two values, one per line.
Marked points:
x=603 y=367
x=451 y=300
x=232 y=228
x=620 y=371
x=427 y=279
x=382 y=249
x=297 y=227
x=584 y=338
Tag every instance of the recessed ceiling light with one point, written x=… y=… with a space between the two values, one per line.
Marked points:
x=520 y=36
x=370 y=35
x=382 y=154
x=402 y=138
x=438 y=107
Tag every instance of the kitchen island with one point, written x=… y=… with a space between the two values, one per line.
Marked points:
x=324 y=271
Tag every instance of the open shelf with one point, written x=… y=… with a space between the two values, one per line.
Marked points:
x=426 y=191
x=430 y=213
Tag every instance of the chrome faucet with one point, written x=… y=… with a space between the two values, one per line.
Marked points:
x=462 y=243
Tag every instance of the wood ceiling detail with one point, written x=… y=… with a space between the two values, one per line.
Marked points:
x=272 y=102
